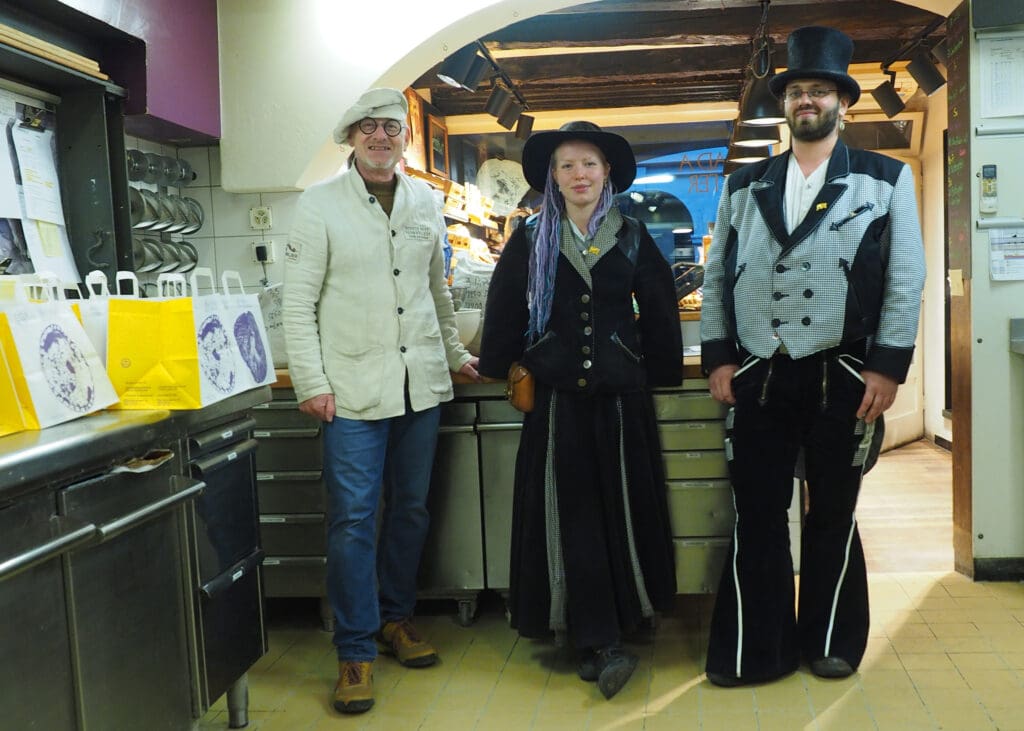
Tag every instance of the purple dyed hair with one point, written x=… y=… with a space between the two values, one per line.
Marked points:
x=544 y=255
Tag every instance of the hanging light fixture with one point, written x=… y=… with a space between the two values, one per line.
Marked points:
x=761 y=136
x=887 y=96
x=464 y=69
x=744 y=155
x=731 y=166
x=524 y=126
x=758 y=106
x=498 y=101
x=925 y=73
x=510 y=115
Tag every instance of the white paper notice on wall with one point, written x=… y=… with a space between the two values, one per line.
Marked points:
x=49 y=248
x=1006 y=253
x=38 y=164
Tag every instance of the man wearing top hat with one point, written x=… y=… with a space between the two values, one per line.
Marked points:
x=811 y=300
x=371 y=338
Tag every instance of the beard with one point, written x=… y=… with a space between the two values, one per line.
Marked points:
x=813 y=129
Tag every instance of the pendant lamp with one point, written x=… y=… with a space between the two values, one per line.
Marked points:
x=756 y=136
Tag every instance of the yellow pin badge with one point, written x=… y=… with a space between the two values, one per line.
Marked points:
x=821 y=206
x=593 y=250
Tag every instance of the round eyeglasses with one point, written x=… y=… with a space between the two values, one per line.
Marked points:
x=794 y=95
x=392 y=127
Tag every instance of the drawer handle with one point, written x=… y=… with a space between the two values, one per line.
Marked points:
x=45 y=551
x=126 y=522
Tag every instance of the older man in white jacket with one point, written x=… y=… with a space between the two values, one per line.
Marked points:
x=372 y=339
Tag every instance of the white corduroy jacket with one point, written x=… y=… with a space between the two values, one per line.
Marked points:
x=366 y=300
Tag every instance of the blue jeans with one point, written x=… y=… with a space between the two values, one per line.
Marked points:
x=361 y=458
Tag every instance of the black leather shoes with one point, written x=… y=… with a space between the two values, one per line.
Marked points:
x=588 y=667
x=725 y=681
x=616 y=667
x=831 y=667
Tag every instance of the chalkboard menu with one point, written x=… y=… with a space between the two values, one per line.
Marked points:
x=958 y=155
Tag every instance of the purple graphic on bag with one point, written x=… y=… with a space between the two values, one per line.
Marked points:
x=66 y=369
x=216 y=360
x=247 y=335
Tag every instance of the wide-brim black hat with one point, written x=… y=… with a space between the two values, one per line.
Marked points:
x=818 y=52
x=538 y=150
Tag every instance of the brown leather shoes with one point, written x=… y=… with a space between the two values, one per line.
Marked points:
x=403 y=641
x=354 y=691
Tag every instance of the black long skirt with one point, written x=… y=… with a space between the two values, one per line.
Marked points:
x=606 y=540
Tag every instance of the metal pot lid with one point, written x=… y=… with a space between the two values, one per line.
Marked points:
x=150 y=208
x=151 y=258
x=169 y=256
x=180 y=208
x=195 y=216
x=137 y=164
x=188 y=255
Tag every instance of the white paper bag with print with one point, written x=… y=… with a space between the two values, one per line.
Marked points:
x=271 y=299
x=57 y=374
x=249 y=331
x=220 y=363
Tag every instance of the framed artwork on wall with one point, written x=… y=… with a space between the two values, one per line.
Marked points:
x=416 y=152
x=437 y=147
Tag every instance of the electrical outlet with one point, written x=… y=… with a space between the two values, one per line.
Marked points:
x=260 y=218
x=263 y=252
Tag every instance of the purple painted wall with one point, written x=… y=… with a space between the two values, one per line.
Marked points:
x=182 y=80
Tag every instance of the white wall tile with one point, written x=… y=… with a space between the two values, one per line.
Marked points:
x=282 y=207
x=214 y=166
x=231 y=213
x=206 y=250
x=199 y=159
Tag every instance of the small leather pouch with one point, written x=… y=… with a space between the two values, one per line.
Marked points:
x=519 y=389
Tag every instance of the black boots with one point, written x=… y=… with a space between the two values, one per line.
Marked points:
x=610 y=666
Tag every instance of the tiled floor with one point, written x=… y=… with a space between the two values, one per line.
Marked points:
x=944 y=653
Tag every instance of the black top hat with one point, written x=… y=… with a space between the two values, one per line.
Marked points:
x=817 y=52
x=538 y=150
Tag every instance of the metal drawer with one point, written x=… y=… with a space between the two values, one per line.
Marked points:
x=699 y=564
x=288 y=576
x=689 y=435
x=458 y=413
x=696 y=465
x=291 y=492
x=701 y=508
x=297 y=534
x=679 y=405
x=290 y=449
x=499 y=412
x=281 y=414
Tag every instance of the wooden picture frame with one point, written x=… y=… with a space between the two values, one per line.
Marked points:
x=416 y=152
x=437 y=147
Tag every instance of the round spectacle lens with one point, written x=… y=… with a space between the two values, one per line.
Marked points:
x=392 y=127
x=794 y=95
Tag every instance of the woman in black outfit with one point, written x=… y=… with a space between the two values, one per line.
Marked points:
x=585 y=300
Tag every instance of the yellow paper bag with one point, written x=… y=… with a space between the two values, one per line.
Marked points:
x=11 y=420
x=175 y=353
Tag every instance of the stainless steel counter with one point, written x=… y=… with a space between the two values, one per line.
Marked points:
x=32 y=459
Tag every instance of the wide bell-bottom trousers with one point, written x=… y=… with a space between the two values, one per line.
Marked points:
x=784 y=406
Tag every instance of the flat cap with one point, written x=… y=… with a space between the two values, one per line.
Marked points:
x=380 y=103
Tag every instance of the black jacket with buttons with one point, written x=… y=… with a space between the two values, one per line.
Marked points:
x=594 y=342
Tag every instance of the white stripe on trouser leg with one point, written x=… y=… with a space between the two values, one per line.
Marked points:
x=736 y=584
x=839 y=586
